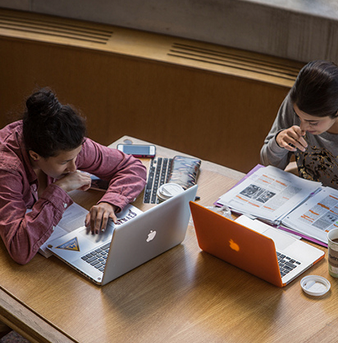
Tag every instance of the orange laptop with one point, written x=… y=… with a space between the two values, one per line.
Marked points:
x=261 y=250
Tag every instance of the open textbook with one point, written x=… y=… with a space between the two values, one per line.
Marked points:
x=74 y=218
x=285 y=200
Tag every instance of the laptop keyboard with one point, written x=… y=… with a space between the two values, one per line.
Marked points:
x=159 y=172
x=98 y=257
x=286 y=264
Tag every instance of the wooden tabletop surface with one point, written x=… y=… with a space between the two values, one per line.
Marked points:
x=184 y=295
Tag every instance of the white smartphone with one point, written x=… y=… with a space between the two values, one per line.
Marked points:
x=138 y=150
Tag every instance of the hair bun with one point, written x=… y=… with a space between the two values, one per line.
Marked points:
x=43 y=103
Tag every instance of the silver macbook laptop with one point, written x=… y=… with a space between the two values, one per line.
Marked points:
x=253 y=246
x=103 y=258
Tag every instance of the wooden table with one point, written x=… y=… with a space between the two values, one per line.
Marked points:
x=184 y=295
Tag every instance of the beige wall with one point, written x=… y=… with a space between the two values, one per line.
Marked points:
x=299 y=30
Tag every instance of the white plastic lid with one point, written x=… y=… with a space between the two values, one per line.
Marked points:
x=315 y=285
x=169 y=190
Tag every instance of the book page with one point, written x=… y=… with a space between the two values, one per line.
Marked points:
x=269 y=193
x=317 y=216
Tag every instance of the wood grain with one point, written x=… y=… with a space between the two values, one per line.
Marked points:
x=184 y=295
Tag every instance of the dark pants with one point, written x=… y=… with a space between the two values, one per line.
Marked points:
x=4 y=329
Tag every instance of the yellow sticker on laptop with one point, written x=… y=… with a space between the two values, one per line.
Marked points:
x=72 y=244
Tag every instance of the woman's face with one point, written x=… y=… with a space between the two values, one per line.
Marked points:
x=315 y=125
x=59 y=165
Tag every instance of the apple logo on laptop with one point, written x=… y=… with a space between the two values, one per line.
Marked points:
x=151 y=235
x=233 y=245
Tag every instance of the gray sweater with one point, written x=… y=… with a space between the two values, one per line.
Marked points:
x=319 y=162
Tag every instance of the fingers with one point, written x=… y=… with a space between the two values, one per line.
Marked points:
x=84 y=180
x=98 y=217
x=98 y=220
x=85 y=187
x=74 y=180
x=292 y=139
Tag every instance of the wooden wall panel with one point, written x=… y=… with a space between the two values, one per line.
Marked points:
x=218 y=117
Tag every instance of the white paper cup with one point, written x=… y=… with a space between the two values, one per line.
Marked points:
x=332 y=238
x=168 y=190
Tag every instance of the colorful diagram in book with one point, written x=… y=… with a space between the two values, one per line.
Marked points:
x=269 y=193
x=317 y=215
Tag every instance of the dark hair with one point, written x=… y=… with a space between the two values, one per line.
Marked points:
x=50 y=127
x=315 y=91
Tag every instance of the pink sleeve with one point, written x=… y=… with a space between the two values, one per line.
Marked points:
x=24 y=231
x=125 y=173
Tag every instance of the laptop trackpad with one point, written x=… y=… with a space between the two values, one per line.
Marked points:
x=102 y=237
x=282 y=240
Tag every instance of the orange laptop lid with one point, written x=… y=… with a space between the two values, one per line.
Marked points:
x=236 y=244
